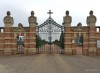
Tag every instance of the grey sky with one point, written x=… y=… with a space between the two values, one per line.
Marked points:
x=20 y=10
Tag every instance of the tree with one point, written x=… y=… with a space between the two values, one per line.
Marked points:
x=38 y=41
x=61 y=40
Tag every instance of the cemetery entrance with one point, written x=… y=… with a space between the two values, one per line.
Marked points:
x=49 y=38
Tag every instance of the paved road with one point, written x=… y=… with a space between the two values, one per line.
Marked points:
x=46 y=63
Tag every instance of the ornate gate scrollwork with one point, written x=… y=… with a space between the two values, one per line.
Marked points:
x=50 y=36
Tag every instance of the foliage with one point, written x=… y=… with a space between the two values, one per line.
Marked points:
x=56 y=42
x=61 y=40
x=39 y=41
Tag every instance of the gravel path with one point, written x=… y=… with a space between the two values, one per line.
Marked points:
x=49 y=63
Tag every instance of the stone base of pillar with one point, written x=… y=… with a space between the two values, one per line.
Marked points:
x=1 y=52
x=30 y=51
x=68 y=51
x=73 y=51
x=7 y=51
x=98 y=52
x=85 y=52
x=14 y=52
x=26 y=51
x=92 y=51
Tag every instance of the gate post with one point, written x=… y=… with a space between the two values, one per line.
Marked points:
x=91 y=20
x=67 y=33
x=8 y=44
x=32 y=34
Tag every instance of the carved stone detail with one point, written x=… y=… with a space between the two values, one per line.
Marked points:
x=8 y=20
x=80 y=28
x=32 y=19
x=67 y=19
x=19 y=28
x=91 y=20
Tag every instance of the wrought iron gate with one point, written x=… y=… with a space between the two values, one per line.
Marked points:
x=50 y=38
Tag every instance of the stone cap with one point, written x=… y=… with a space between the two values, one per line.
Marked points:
x=91 y=19
x=32 y=19
x=67 y=19
x=8 y=20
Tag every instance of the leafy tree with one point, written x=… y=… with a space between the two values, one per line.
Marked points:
x=39 y=41
x=61 y=40
x=56 y=42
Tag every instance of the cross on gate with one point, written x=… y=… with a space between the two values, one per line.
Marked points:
x=49 y=13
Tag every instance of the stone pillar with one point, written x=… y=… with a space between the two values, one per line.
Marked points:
x=85 y=43
x=91 y=20
x=32 y=34
x=14 y=44
x=1 y=43
x=67 y=33
x=8 y=21
x=73 y=44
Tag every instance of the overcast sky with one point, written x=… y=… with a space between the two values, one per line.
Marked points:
x=20 y=10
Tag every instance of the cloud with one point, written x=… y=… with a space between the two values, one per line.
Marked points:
x=20 y=9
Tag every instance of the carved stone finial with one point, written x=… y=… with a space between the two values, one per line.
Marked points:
x=32 y=19
x=79 y=25
x=8 y=20
x=67 y=12
x=8 y=13
x=67 y=19
x=32 y=13
x=91 y=12
x=20 y=25
x=91 y=20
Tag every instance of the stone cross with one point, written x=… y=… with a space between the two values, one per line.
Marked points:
x=49 y=13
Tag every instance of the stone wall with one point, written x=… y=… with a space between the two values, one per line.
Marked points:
x=8 y=37
x=8 y=34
